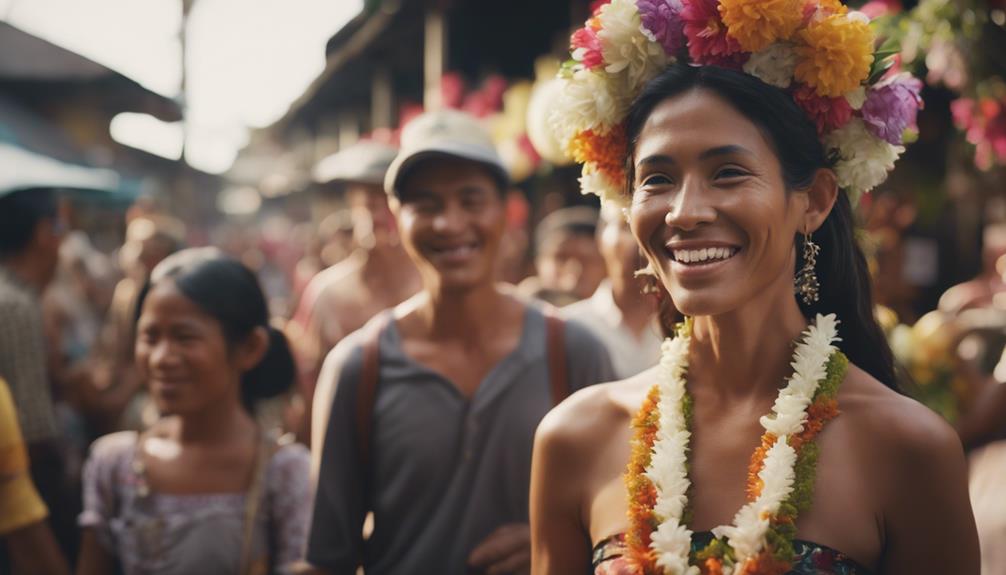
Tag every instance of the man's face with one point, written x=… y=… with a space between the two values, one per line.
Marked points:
x=373 y=223
x=48 y=237
x=570 y=263
x=451 y=215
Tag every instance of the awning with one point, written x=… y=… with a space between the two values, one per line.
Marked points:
x=24 y=169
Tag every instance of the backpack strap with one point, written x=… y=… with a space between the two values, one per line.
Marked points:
x=558 y=373
x=366 y=391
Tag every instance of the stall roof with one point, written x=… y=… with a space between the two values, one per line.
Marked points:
x=29 y=64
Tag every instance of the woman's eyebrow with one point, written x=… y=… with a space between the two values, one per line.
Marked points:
x=655 y=159
x=725 y=151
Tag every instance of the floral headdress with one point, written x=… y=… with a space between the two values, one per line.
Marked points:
x=818 y=51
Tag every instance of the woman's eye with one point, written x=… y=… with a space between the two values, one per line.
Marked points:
x=727 y=173
x=656 y=180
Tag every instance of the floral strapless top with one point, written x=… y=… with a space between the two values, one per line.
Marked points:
x=811 y=558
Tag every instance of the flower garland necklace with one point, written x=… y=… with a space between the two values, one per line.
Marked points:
x=781 y=473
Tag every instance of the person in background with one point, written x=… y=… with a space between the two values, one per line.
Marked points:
x=31 y=231
x=205 y=489
x=109 y=388
x=979 y=292
x=619 y=313
x=30 y=544
x=457 y=377
x=567 y=261
x=377 y=275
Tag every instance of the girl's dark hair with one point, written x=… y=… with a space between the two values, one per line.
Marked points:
x=228 y=291
x=841 y=267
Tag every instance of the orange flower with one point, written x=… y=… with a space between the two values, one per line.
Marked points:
x=765 y=563
x=713 y=566
x=819 y=413
x=834 y=55
x=757 y=23
x=642 y=492
x=605 y=150
x=755 y=483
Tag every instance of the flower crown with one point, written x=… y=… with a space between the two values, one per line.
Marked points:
x=818 y=51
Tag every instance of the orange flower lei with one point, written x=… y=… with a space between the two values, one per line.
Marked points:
x=777 y=557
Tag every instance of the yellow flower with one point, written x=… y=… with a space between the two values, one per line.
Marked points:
x=757 y=23
x=835 y=55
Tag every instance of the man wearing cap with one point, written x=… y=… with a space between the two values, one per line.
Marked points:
x=376 y=276
x=426 y=416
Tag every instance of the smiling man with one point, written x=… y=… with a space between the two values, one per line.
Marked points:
x=426 y=416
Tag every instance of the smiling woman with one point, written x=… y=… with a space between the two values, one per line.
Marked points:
x=731 y=189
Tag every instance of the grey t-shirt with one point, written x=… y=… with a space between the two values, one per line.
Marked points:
x=446 y=471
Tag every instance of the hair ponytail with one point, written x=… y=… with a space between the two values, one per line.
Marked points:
x=273 y=375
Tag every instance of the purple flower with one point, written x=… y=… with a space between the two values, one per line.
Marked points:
x=662 y=21
x=891 y=107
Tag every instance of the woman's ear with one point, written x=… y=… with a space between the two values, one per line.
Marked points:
x=821 y=196
x=251 y=351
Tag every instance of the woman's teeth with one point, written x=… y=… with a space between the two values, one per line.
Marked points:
x=704 y=255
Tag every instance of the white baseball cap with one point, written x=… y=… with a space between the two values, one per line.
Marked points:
x=363 y=162
x=442 y=133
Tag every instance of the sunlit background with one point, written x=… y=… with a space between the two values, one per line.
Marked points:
x=245 y=61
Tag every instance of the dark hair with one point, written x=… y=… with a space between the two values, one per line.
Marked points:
x=842 y=271
x=572 y=221
x=20 y=213
x=227 y=290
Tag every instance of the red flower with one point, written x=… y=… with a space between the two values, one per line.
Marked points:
x=826 y=113
x=708 y=42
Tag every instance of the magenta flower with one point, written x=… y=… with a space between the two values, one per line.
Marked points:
x=708 y=42
x=586 y=48
x=827 y=113
x=891 y=107
x=662 y=19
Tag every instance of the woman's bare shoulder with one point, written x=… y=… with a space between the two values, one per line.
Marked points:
x=589 y=416
x=894 y=428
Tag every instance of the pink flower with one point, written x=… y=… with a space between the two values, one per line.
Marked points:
x=877 y=8
x=708 y=42
x=662 y=19
x=452 y=90
x=827 y=113
x=586 y=47
x=892 y=106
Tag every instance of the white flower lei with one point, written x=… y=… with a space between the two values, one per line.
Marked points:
x=671 y=541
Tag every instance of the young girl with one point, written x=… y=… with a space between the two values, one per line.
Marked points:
x=204 y=490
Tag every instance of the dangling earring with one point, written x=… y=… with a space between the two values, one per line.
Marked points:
x=806 y=280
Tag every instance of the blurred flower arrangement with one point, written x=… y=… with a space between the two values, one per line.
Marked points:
x=948 y=43
x=927 y=353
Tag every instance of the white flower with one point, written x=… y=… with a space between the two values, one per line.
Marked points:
x=586 y=101
x=626 y=47
x=864 y=160
x=810 y=367
x=774 y=65
x=668 y=469
x=611 y=193
x=672 y=542
x=747 y=534
x=856 y=98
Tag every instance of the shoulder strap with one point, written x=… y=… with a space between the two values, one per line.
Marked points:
x=558 y=375
x=366 y=391
x=253 y=500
